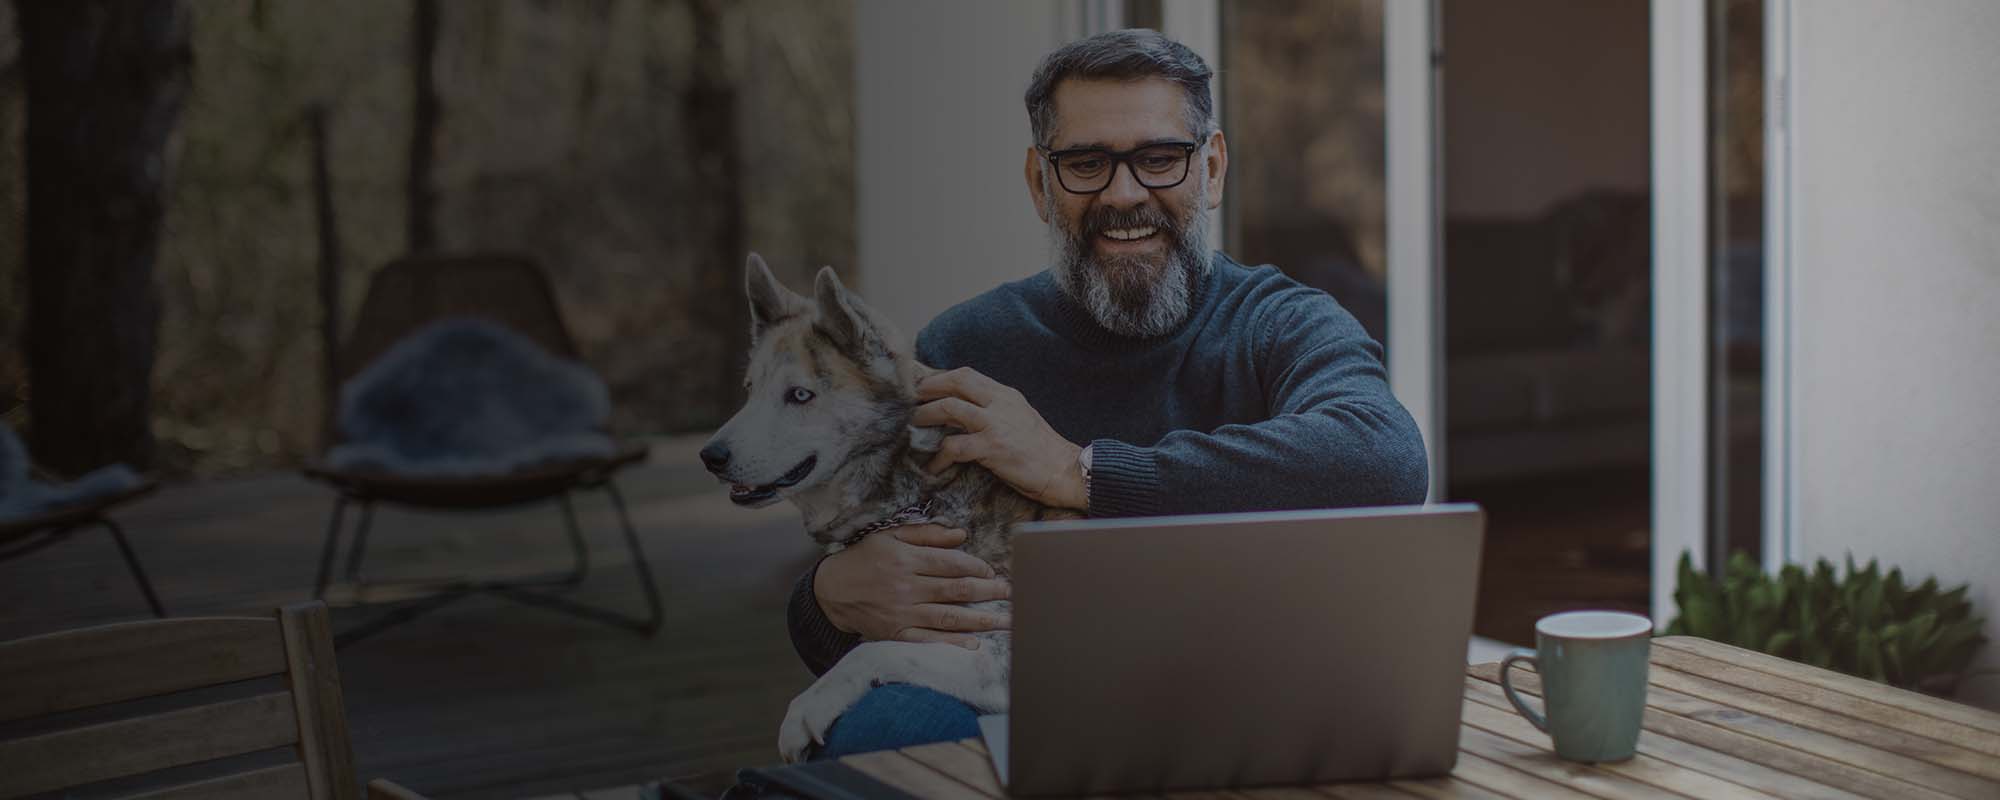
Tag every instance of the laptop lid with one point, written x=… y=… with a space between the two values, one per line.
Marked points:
x=1239 y=649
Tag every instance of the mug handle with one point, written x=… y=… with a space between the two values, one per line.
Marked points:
x=1507 y=686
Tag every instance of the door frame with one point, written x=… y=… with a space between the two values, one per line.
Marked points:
x=1414 y=171
x=1680 y=293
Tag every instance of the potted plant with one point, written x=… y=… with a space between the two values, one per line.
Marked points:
x=1864 y=623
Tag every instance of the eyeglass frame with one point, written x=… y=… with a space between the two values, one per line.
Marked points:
x=1122 y=158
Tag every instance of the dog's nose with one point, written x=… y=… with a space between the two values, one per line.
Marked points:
x=715 y=456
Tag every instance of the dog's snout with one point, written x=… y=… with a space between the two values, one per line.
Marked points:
x=715 y=456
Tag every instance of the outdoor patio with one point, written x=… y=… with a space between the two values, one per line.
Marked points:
x=485 y=698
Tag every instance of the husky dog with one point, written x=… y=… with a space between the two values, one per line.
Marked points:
x=832 y=390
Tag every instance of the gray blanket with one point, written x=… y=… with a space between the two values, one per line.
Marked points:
x=464 y=397
x=23 y=496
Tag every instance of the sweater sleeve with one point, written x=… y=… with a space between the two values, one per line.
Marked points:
x=1336 y=436
x=819 y=644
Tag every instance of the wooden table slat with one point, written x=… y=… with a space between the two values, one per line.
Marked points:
x=1447 y=788
x=1850 y=728
x=969 y=766
x=910 y=775
x=1509 y=782
x=1951 y=783
x=1784 y=758
x=1288 y=793
x=1934 y=707
x=1541 y=763
x=1718 y=763
x=1641 y=767
x=1865 y=708
x=1365 y=791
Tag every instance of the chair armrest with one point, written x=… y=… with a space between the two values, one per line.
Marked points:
x=384 y=789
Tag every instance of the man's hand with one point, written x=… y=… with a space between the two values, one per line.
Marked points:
x=1002 y=433
x=899 y=584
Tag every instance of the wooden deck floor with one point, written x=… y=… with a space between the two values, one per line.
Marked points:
x=487 y=698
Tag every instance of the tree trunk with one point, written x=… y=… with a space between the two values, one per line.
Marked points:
x=329 y=276
x=105 y=81
x=421 y=222
x=709 y=108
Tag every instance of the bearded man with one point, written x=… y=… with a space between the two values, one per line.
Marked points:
x=1142 y=374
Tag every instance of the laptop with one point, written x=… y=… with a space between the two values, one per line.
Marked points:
x=1235 y=650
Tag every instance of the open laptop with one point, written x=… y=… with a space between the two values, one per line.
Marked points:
x=1237 y=650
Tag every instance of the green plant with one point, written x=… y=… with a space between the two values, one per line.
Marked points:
x=1866 y=623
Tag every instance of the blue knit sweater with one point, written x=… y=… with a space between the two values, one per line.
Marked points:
x=1270 y=396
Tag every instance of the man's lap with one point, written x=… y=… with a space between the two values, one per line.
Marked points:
x=899 y=715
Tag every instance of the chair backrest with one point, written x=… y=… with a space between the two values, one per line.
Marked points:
x=415 y=291
x=96 y=667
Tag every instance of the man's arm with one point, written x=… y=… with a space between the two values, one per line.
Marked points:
x=819 y=644
x=901 y=584
x=1337 y=436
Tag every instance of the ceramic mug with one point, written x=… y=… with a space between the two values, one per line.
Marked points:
x=1593 y=671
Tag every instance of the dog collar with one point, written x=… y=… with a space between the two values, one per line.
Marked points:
x=920 y=512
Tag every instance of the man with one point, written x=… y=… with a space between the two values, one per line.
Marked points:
x=1141 y=374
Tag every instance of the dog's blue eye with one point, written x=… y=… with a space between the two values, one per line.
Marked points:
x=799 y=395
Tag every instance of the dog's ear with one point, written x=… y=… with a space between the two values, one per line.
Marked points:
x=837 y=315
x=770 y=301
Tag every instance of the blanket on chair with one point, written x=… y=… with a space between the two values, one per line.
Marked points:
x=465 y=397
x=23 y=496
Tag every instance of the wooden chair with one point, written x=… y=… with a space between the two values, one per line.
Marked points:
x=113 y=664
x=512 y=291
x=24 y=535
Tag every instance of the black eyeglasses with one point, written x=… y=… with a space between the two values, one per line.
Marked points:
x=1087 y=170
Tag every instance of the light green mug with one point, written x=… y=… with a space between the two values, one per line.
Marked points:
x=1593 y=670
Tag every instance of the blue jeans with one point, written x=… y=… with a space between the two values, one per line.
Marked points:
x=899 y=715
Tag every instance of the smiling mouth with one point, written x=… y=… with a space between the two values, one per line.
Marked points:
x=1130 y=234
x=750 y=495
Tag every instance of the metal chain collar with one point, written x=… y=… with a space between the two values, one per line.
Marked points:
x=920 y=512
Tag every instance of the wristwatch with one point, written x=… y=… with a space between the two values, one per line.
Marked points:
x=1083 y=466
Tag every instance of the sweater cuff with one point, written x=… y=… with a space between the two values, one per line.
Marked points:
x=1124 y=480
x=818 y=643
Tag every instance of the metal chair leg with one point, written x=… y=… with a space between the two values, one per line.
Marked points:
x=581 y=550
x=357 y=550
x=514 y=590
x=645 y=570
x=132 y=560
x=332 y=546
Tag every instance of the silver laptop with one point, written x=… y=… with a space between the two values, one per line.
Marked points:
x=1237 y=650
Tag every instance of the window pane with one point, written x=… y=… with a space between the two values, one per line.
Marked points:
x=1302 y=108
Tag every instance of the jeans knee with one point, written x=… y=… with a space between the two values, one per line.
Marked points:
x=899 y=715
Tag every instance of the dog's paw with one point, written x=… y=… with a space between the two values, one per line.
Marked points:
x=807 y=721
x=793 y=738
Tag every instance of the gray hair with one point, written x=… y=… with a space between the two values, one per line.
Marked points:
x=1127 y=55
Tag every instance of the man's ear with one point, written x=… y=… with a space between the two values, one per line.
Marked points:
x=770 y=301
x=837 y=316
x=1033 y=171
x=1217 y=161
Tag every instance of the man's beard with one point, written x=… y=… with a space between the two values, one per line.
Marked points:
x=1134 y=295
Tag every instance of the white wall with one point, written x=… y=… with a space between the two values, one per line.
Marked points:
x=944 y=213
x=1896 y=263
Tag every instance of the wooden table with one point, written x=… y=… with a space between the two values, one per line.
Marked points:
x=1720 y=722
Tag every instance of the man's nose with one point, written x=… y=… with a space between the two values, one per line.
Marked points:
x=715 y=456
x=1124 y=190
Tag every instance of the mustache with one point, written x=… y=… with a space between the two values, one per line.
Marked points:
x=1102 y=219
